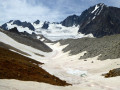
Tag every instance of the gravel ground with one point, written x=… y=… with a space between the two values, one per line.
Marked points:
x=107 y=47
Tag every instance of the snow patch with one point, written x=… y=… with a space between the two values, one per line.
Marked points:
x=101 y=9
x=27 y=49
x=16 y=52
x=96 y=7
x=38 y=37
x=76 y=72
x=42 y=39
x=93 y=17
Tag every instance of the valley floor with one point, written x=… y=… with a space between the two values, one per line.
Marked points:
x=84 y=74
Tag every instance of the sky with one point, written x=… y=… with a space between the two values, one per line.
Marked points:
x=46 y=10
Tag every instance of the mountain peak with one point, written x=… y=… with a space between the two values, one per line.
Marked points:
x=89 y=14
x=70 y=21
x=96 y=9
x=17 y=23
x=10 y=21
x=37 y=22
x=101 y=20
x=46 y=25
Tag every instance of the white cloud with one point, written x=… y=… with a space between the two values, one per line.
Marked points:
x=20 y=9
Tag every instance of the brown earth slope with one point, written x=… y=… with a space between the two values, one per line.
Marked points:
x=15 y=66
x=113 y=73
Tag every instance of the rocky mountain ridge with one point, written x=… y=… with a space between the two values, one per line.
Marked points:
x=99 y=20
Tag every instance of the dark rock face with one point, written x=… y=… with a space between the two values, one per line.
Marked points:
x=37 y=22
x=4 y=27
x=14 y=30
x=85 y=18
x=10 y=21
x=70 y=21
x=99 y=20
x=45 y=25
x=33 y=35
x=24 y=24
x=105 y=21
x=19 y=23
x=25 y=33
x=29 y=25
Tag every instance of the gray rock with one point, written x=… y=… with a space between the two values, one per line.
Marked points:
x=107 y=47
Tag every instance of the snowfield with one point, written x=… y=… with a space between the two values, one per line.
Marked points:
x=57 y=32
x=54 y=31
x=21 y=85
x=27 y=49
x=83 y=75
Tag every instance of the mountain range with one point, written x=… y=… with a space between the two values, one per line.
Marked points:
x=97 y=21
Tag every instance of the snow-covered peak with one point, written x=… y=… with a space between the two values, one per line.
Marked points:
x=19 y=23
x=37 y=22
x=20 y=28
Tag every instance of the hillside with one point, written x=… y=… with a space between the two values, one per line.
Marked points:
x=16 y=66
x=107 y=47
x=27 y=40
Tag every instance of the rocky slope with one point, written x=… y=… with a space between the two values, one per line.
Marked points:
x=107 y=47
x=27 y=40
